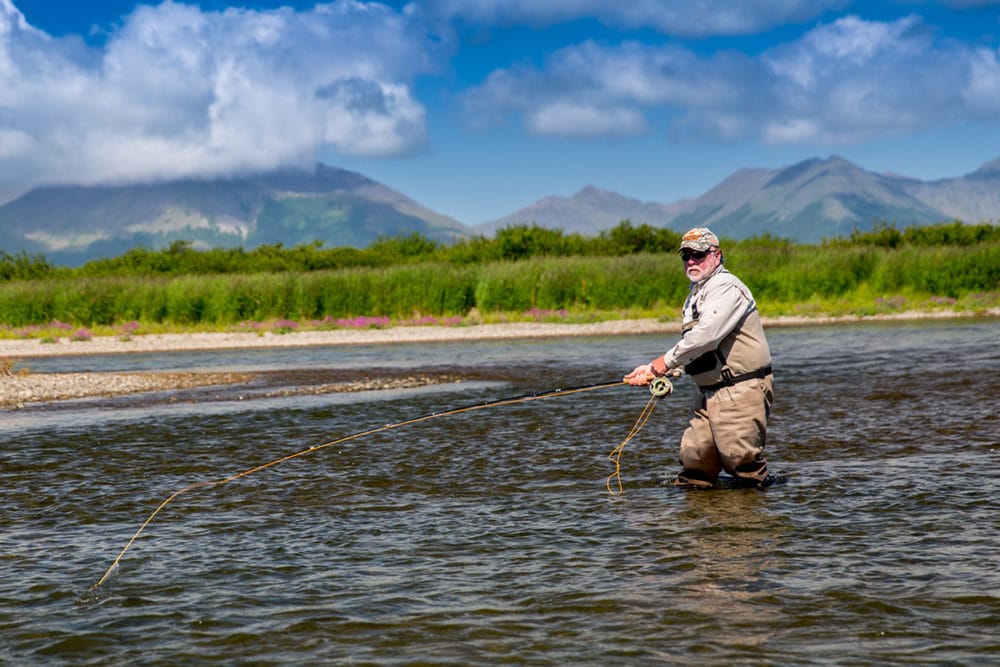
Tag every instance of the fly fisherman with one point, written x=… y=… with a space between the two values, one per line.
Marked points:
x=724 y=350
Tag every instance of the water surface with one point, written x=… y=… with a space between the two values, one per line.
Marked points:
x=489 y=537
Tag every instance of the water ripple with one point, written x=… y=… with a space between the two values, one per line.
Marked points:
x=488 y=537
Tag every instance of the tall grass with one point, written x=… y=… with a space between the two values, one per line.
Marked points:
x=945 y=271
x=802 y=272
x=642 y=281
x=229 y=299
x=779 y=275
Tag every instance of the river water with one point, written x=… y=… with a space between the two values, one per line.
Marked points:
x=489 y=536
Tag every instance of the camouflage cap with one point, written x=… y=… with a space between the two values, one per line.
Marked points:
x=699 y=238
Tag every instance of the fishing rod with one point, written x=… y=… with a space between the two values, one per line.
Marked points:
x=659 y=388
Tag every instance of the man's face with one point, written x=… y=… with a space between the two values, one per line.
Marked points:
x=699 y=265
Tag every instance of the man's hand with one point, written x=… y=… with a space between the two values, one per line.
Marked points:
x=642 y=375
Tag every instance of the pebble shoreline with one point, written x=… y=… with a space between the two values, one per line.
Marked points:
x=18 y=385
x=28 y=348
x=16 y=390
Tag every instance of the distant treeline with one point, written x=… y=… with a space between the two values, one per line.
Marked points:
x=522 y=268
x=513 y=243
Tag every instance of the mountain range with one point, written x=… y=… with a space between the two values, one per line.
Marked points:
x=805 y=202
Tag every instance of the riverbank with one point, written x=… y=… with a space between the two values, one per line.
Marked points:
x=19 y=386
x=27 y=348
x=19 y=390
x=180 y=342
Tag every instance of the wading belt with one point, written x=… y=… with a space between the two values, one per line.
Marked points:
x=729 y=379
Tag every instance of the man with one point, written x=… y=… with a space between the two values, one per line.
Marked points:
x=723 y=349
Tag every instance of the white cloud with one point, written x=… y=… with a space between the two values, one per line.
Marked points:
x=14 y=143
x=842 y=82
x=982 y=89
x=179 y=92
x=355 y=129
x=790 y=130
x=848 y=43
x=613 y=83
x=583 y=120
x=856 y=41
x=176 y=91
x=693 y=18
x=852 y=79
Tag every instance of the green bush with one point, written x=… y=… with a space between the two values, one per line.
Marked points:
x=802 y=272
x=22 y=266
x=543 y=269
x=943 y=271
x=601 y=283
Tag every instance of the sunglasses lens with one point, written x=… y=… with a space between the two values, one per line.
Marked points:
x=691 y=254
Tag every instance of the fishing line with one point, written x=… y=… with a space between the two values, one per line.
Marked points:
x=616 y=453
x=658 y=387
x=468 y=408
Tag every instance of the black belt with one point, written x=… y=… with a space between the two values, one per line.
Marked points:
x=731 y=379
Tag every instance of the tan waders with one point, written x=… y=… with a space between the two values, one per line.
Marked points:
x=727 y=431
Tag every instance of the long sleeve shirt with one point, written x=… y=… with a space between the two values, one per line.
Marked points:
x=713 y=310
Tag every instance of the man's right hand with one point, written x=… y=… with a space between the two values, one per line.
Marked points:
x=642 y=375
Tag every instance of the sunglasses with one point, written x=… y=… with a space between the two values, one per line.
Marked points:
x=696 y=255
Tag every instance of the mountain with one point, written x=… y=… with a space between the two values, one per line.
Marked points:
x=70 y=224
x=806 y=202
x=588 y=212
x=973 y=198
x=10 y=191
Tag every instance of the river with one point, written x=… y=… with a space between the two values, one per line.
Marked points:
x=489 y=536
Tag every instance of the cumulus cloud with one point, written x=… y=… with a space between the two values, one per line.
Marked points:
x=176 y=91
x=583 y=120
x=982 y=90
x=594 y=86
x=691 y=18
x=179 y=92
x=851 y=80
x=844 y=81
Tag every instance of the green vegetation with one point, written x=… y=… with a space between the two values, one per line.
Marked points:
x=524 y=272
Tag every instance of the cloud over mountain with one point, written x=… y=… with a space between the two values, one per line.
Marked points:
x=177 y=91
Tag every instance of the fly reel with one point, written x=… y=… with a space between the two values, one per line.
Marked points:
x=660 y=387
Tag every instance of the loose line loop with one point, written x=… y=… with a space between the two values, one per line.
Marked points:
x=468 y=408
x=616 y=454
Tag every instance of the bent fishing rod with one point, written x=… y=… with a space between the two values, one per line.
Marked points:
x=659 y=387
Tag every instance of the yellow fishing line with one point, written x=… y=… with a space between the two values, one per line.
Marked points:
x=387 y=427
x=616 y=454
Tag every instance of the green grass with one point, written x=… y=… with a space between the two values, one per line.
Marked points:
x=887 y=272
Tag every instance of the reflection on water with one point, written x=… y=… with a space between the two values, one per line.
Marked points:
x=489 y=536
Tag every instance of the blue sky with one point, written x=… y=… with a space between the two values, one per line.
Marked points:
x=477 y=108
